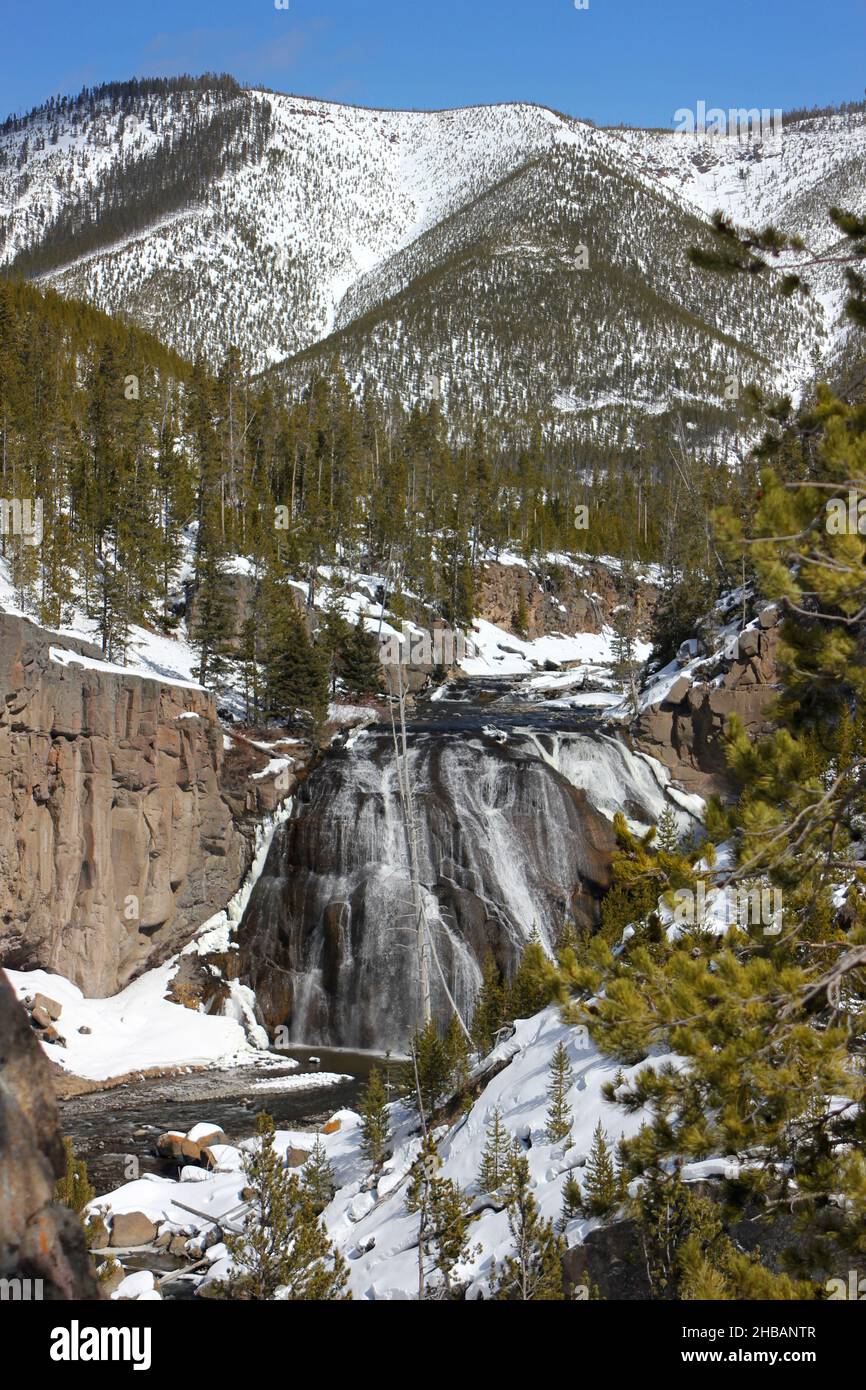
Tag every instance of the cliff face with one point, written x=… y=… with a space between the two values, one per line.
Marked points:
x=563 y=599
x=686 y=729
x=115 y=839
x=39 y=1240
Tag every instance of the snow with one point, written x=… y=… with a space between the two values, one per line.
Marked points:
x=135 y=1030
x=311 y=1081
x=499 y=652
x=368 y=1220
x=64 y=657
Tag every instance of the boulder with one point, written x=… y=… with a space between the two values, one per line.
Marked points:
x=130 y=1229
x=678 y=691
x=40 y=1017
x=50 y=1006
x=205 y=1135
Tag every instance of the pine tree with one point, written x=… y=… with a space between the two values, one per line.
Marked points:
x=432 y=1062
x=668 y=836
x=533 y=1273
x=283 y=1246
x=74 y=1189
x=359 y=663
x=496 y=1159
x=443 y=1222
x=490 y=1007
x=375 y=1123
x=296 y=671
x=536 y=983
x=457 y=1050
x=572 y=1201
x=559 y=1118
x=601 y=1184
x=317 y=1178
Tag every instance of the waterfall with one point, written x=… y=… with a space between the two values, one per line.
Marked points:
x=507 y=846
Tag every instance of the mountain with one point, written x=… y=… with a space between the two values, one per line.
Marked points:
x=510 y=259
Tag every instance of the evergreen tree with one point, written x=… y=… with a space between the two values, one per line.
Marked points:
x=533 y=1272
x=601 y=1183
x=283 y=1246
x=496 y=1159
x=490 y=1007
x=443 y=1230
x=375 y=1123
x=559 y=1118
x=317 y=1178
x=429 y=1077
x=359 y=663
x=536 y=984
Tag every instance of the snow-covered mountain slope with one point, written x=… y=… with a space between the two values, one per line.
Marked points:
x=510 y=258
x=265 y=255
x=789 y=182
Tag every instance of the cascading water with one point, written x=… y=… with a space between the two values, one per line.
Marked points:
x=509 y=843
x=506 y=846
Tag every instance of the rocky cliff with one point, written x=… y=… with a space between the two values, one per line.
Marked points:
x=39 y=1240
x=685 y=729
x=559 y=598
x=116 y=839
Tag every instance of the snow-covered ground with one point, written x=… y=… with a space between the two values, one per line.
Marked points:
x=136 y=1030
x=367 y=1218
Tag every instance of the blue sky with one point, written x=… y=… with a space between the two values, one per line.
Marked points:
x=629 y=60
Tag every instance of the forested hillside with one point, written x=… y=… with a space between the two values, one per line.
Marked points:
x=159 y=480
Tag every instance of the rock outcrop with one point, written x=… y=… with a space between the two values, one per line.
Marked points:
x=685 y=730
x=562 y=599
x=39 y=1240
x=116 y=840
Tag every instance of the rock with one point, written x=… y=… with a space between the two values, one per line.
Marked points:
x=689 y=736
x=678 y=691
x=84 y=1029
x=115 y=838
x=170 y=1145
x=332 y=1127
x=296 y=1158
x=191 y=1173
x=205 y=1135
x=40 y=1018
x=163 y=1240
x=50 y=1006
x=748 y=643
x=135 y=1286
x=362 y=1205
x=769 y=617
x=110 y=1276
x=38 y=1239
x=130 y=1229
x=177 y=1245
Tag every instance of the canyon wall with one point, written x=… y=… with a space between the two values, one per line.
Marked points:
x=686 y=729
x=116 y=834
